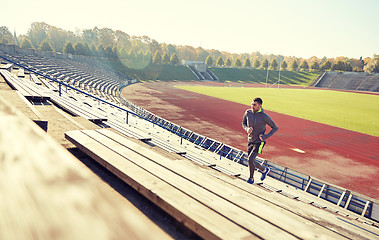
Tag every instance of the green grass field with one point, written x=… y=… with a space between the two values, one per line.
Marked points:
x=145 y=71
x=259 y=76
x=353 y=111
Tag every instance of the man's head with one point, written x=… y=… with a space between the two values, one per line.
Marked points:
x=256 y=105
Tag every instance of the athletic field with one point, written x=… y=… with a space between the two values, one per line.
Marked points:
x=349 y=110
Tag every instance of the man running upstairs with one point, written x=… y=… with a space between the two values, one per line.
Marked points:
x=254 y=122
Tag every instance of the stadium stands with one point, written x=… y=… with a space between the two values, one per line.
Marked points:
x=350 y=81
x=198 y=75
x=86 y=74
x=212 y=75
x=151 y=129
x=201 y=71
x=29 y=92
x=220 y=202
x=47 y=193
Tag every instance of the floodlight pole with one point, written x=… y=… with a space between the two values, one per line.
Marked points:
x=267 y=74
x=279 y=75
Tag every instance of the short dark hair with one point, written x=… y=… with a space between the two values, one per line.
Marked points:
x=258 y=100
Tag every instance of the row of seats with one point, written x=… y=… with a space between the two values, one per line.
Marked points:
x=89 y=74
x=350 y=81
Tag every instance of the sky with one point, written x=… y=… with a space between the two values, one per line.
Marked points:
x=300 y=28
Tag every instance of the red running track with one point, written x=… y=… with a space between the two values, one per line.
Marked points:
x=338 y=156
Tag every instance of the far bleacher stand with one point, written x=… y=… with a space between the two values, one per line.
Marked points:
x=354 y=81
x=200 y=70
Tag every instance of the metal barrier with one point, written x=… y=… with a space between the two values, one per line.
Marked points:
x=344 y=198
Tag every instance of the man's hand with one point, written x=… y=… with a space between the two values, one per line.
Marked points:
x=261 y=137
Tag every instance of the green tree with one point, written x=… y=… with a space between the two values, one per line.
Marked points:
x=45 y=46
x=342 y=66
x=87 y=50
x=115 y=51
x=68 y=48
x=151 y=44
x=215 y=53
x=373 y=65
x=247 y=63
x=57 y=37
x=106 y=37
x=228 y=62
x=6 y=36
x=90 y=36
x=171 y=49
x=220 y=61
x=209 y=60
x=79 y=48
x=166 y=58
x=101 y=51
x=237 y=62
x=187 y=53
x=141 y=55
x=348 y=67
x=315 y=66
x=326 y=66
x=202 y=55
x=109 y=52
x=132 y=55
x=4 y=41
x=174 y=59
x=37 y=33
x=339 y=66
x=304 y=65
x=94 y=51
x=25 y=43
x=294 y=66
x=157 y=58
x=123 y=53
x=148 y=57
x=265 y=64
x=122 y=39
x=284 y=65
x=256 y=63
x=274 y=64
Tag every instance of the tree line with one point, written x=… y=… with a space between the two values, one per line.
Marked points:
x=110 y=44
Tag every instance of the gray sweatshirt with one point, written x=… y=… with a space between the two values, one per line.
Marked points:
x=258 y=122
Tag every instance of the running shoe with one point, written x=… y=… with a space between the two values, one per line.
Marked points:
x=250 y=180
x=264 y=174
